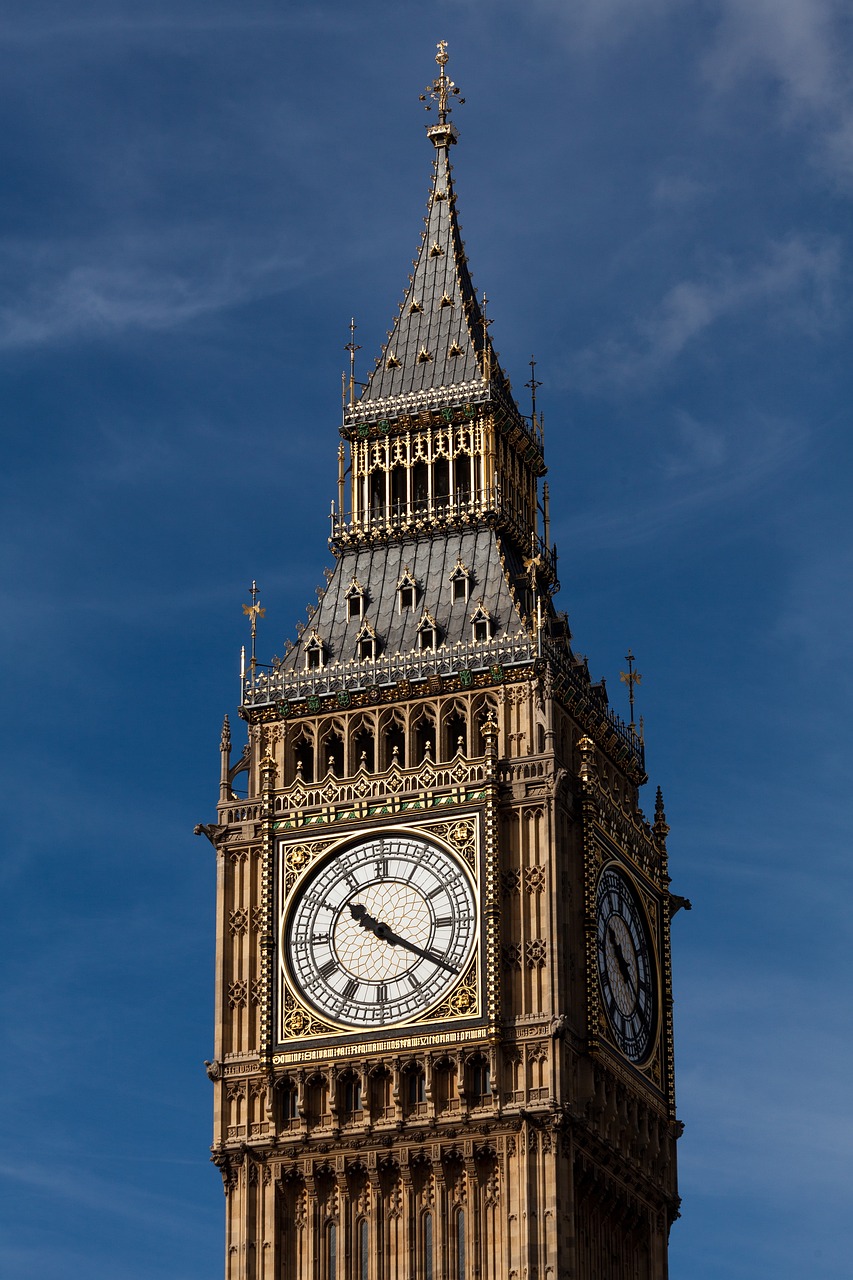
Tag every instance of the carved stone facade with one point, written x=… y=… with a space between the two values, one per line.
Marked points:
x=506 y=1131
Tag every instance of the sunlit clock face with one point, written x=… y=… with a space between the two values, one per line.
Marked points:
x=626 y=968
x=381 y=931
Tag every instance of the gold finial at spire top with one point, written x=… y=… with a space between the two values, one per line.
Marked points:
x=442 y=87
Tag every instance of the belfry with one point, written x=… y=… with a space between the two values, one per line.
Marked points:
x=443 y=992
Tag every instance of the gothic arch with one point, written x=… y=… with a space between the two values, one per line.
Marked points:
x=454 y=729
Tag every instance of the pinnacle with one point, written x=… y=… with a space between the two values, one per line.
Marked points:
x=440 y=313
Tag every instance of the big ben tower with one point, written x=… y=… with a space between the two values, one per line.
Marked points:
x=443 y=996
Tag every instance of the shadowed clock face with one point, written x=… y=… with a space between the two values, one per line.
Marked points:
x=381 y=931
x=626 y=969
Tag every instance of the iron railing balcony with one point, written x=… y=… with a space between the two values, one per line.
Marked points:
x=266 y=687
x=391 y=411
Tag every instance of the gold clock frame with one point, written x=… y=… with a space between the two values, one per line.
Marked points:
x=645 y=904
x=462 y=836
x=602 y=852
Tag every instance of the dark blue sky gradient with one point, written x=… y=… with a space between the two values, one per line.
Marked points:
x=196 y=198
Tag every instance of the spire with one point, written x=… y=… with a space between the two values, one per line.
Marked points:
x=440 y=337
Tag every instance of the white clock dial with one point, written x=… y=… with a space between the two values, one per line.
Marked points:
x=381 y=931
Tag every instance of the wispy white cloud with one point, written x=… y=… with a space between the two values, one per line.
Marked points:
x=591 y=23
x=794 y=284
x=695 y=474
x=58 y=291
x=698 y=448
x=805 y=47
x=677 y=191
x=105 y=1195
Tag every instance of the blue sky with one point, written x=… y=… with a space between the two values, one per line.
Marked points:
x=656 y=197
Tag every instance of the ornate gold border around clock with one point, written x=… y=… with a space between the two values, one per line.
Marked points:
x=651 y=1064
x=599 y=848
x=460 y=835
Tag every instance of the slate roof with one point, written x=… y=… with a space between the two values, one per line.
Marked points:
x=438 y=337
x=431 y=562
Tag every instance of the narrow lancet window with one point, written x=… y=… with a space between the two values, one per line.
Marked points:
x=363 y=1251
x=333 y=754
x=427 y=1230
x=352 y=1094
x=304 y=752
x=460 y=1245
x=416 y=1088
x=331 y=1252
x=420 y=487
x=395 y=745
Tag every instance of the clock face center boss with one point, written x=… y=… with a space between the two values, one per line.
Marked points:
x=380 y=931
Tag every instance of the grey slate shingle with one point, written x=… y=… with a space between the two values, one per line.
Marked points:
x=431 y=561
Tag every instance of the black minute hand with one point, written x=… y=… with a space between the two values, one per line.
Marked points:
x=620 y=958
x=387 y=934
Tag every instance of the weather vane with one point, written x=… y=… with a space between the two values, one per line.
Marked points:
x=442 y=87
x=254 y=611
x=630 y=678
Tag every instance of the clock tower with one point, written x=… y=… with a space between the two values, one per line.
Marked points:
x=443 y=996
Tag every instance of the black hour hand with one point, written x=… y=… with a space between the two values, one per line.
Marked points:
x=620 y=957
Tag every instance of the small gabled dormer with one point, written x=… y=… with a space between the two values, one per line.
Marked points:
x=356 y=600
x=315 y=653
x=367 y=643
x=481 y=625
x=460 y=583
x=427 y=631
x=407 y=591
